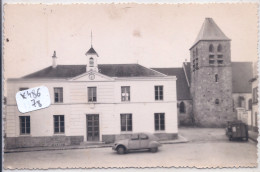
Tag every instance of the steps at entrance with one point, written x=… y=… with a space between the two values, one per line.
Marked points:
x=91 y=143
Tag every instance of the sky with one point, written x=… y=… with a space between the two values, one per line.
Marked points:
x=151 y=35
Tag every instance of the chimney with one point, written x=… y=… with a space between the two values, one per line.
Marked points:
x=185 y=62
x=54 y=60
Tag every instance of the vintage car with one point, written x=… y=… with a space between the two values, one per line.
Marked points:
x=236 y=130
x=137 y=141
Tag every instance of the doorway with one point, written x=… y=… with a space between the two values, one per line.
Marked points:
x=92 y=127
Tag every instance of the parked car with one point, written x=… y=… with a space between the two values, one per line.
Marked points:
x=137 y=141
x=236 y=130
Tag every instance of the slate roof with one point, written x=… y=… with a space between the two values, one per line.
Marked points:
x=111 y=70
x=242 y=72
x=183 y=91
x=210 y=31
x=91 y=51
x=187 y=68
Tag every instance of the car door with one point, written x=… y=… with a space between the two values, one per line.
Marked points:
x=144 y=141
x=134 y=142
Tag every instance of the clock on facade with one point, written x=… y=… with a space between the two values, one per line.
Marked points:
x=91 y=76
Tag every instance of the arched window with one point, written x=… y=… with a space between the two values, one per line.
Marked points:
x=217 y=101
x=182 y=107
x=241 y=101
x=219 y=48
x=91 y=62
x=250 y=104
x=211 y=48
x=216 y=77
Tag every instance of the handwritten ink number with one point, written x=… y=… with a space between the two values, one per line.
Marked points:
x=34 y=103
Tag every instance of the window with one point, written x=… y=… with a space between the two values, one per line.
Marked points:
x=58 y=124
x=23 y=88
x=58 y=95
x=182 y=107
x=211 y=62
x=220 y=56
x=158 y=92
x=241 y=101
x=250 y=104
x=217 y=101
x=216 y=77
x=91 y=62
x=92 y=94
x=126 y=122
x=255 y=95
x=197 y=63
x=134 y=137
x=219 y=48
x=143 y=136
x=25 y=125
x=211 y=48
x=211 y=56
x=125 y=93
x=159 y=122
x=220 y=61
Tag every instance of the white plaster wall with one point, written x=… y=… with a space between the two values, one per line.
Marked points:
x=108 y=106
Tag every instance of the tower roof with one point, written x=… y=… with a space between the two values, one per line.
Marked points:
x=210 y=31
x=91 y=51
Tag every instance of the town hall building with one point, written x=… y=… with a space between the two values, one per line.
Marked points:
x=93 y=103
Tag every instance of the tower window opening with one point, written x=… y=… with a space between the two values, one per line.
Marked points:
x=211 y=56
x=216 y=77
x=91 y=62
x=219 y=48
x=211 y=62
x=217 y=101
x=211 y=48
x=220 y=61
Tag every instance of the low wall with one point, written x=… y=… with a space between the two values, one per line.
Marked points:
x=52 y=141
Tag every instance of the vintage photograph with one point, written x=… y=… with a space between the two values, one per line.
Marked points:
x=130 y=85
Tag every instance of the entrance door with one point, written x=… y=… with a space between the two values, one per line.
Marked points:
x=93 y=127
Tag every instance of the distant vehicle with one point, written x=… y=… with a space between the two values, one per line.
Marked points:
x=137 y=141
x=236 y=130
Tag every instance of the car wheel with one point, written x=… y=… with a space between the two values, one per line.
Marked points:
x=154 y=150
x=120 y=150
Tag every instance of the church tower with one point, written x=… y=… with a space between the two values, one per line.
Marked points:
x=92 y=61
x=211 y=77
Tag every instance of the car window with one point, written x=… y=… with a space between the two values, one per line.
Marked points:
x=134 y=137
x=143 y=137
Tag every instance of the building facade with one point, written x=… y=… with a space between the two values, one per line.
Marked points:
x=93 y=103
x=254 y=114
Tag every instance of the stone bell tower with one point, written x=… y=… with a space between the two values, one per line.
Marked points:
x=211 y=77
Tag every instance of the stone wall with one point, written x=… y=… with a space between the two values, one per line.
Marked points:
x=185 y=118
x=27 y=141
x=212 y=100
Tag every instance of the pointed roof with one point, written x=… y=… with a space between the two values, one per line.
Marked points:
x=210 y=31
x=91 y=51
